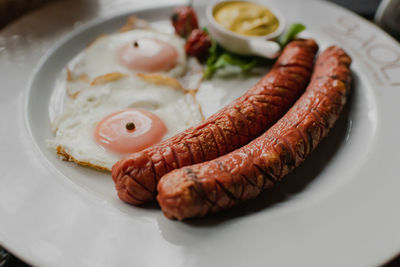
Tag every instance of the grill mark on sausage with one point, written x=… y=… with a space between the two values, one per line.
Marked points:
x=265 y=175
x=290 y=148
x=201 y=148
x=237 y=187
x=162 y=161
x=256 y=109
x=245 y=121
x=318 y=117
x=168 y=167
x=249 y=181
x=288 y=65
x=275 y=152
x=239 y=134
x=226 y=143
x=223 y=143
x=274 y=94
x=139 y=183
x=265 y=101
x=260 y=171
x=215 y=142
x=287 y=156
x=236 y=132
x=175 y=158
x=287 y=83
x=201 y=193
x=295 y=75
x=305 y=145
x=310 y=138
x=154 y=176
x=226 y=191
x=188 y=147
x=132 y=196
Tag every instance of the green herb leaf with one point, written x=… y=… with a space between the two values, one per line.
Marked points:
x=224 y=59
x=291 y=33
x=220 y=58
x=230 y=59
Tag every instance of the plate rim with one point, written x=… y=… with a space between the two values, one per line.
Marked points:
x=95 y=21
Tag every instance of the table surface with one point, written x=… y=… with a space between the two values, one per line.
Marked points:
x=10 y=10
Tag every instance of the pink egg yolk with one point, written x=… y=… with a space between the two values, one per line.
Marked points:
x=129 y=131
x=148 y=55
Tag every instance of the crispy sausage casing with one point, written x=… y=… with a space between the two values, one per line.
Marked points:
x=137 y=175
x=197 y=190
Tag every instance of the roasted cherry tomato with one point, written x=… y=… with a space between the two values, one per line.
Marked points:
x=197 y=44
x=184 y=20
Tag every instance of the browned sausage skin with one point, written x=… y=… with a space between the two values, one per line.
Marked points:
x=137 y=175
x=197 y=190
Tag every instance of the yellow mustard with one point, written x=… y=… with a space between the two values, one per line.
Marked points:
x=246 y=18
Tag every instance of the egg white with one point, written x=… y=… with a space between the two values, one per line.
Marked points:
x=100 y=57
x=73 y=129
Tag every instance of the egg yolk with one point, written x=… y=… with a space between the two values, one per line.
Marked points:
x=148 y=55
x=129 y=131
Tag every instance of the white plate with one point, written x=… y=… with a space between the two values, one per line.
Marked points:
x=340 y=208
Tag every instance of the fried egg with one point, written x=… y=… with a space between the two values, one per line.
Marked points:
x=120 y=114
x=133 y=51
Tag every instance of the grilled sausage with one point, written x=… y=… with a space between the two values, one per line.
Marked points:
x=197 y=190
x=137 y=175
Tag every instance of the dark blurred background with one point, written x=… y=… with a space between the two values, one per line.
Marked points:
x=10 y=10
